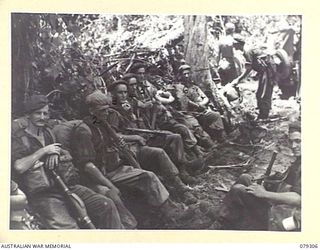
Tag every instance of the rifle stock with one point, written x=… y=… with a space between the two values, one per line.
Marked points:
x=76 y=204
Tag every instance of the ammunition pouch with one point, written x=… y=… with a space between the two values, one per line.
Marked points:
x=36 y=180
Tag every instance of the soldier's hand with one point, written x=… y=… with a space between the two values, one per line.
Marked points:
x=121 y=142
x=140 y=104
x=115 y=191
x=114 y=194
x=201 y=108
x=54 y=148
x=235 y=82
x=148 y=104
x=257 y=190
x=141 y=140
x=52 y=161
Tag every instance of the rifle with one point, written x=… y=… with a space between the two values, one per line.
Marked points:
x=268 y=170
x=108 y=68
x=148 y=131
x=76 y=204
x=121 y=145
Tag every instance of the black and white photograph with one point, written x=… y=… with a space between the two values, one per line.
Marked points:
x=155 y=122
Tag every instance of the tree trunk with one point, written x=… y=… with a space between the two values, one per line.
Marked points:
x=21 y=61
x=197 y=50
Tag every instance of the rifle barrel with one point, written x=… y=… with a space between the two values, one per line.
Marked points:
x=146 y=131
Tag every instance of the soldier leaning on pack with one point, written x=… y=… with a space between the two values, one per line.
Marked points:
x=66 y=134
x=33 y=144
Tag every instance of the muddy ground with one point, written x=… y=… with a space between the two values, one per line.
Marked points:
x=257 y=150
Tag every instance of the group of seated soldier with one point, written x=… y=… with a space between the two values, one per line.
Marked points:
x=140 y=138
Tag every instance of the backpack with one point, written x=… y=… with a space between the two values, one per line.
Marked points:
x=64 y=132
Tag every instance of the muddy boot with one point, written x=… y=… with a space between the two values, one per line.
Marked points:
x=263 y=113
x=179 y=186
x=209 y=210
x=197 y=151
x=194 y=165
x=221 y=136
x=206 y=142
x=186 y=178
x=174 y=212
x=217 y=135
x=183 y=191
x=189 y=198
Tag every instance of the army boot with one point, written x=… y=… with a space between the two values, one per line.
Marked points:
x=174 y=212
x=195 y=165
x=183 y=191
x=178 y=185
x=187 y=178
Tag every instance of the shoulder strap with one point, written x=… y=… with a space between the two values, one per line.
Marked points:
x=93 y=128
x=51 y=134
x=25 y=141
x=77 y=125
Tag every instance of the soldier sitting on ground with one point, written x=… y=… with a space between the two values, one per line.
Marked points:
x=150 y=157
x=66 y=134
x=251 y=206
x=98 y=150
x=194 y=102
x=155 y=111
x=186 y=156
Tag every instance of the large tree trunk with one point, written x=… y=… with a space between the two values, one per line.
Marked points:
x=21 y=61
x=196 y=55
x=196 y=50
x=24 y=29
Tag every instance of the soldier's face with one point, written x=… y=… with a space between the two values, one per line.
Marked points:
x=132 y=85
x=100 y=115
x=185 y=75
x=39 y=117
x=141 y=73
x=121 y=93
x=295 y=140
